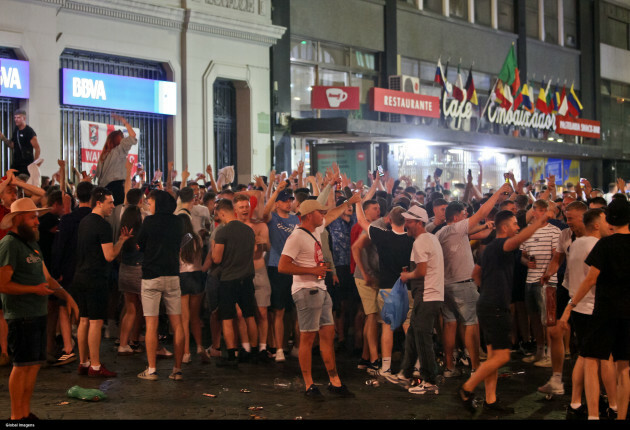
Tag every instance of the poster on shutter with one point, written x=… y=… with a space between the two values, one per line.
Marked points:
x=93 y=136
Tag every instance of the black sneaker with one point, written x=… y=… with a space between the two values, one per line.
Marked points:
x=64 y=358
x=580 y=413
x=243 y=356
x=467 y=398
x=363 y=364
x=497 y=408
x=341 y=391
x=609 y=414
x=314 y=394
x=263 y=356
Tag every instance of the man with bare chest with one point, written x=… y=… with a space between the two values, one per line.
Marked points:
x=262 y=287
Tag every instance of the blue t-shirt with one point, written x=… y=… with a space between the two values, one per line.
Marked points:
x=279 y=231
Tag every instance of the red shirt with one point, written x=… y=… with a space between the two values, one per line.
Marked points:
x=3 y=212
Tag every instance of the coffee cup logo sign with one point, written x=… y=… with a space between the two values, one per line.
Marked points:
x=346 y=98
x=336 y=96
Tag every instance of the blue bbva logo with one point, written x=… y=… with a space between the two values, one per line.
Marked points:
x=88 y=88
x=14 y=78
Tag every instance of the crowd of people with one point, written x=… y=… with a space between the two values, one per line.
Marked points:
x=289 y=262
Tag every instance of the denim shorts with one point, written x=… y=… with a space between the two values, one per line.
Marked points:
x=534 y=300
x=460 y=303
x=314 y=308
x=165 y=289
x=27 y=340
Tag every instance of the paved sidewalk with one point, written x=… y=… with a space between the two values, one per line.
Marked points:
x=130 y=398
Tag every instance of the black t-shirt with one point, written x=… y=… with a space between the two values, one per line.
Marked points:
x=394 y=251
x=22 y=147
x=497 y=275
x=610 y=256
x=94 y=231
x=159 y=239
x=238 y=240
x=47 y=230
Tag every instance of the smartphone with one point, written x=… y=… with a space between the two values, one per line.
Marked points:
x=469 y=172
x=438 y=172
x=380 y=171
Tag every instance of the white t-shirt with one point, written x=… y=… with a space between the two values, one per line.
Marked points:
x=541 y=245
x=577 y=270
x=427 y=249
x=305 y=252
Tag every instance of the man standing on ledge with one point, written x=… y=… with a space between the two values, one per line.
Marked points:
x=23 y=142
x=25 y=285
x=302 y=257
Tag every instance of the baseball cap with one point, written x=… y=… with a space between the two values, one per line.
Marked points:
x=416 y=213
x=285 y=195
x=308 y=206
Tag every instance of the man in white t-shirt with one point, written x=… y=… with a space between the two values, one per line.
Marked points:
x=302 y=257
x=426 y=277
x=585 y=371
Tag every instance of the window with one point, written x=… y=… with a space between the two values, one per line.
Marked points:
x=483 y=12
x=616 y=33
x=531 y=17
x=615 y=114
x=434 y=6
x=330 y=54
x=506 y=15
x=302 y=79
x=569 y=9
x=303 y=50
x=551 y=21
x=458 y=9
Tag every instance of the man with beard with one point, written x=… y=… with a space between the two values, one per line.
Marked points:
x=25 y=284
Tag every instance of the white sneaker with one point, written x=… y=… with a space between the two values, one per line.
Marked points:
x=544 y=362
x=552 y=387
x=424 y=387
x=280 y=356
x=398 y=378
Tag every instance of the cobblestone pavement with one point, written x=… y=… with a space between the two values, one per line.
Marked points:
x=257 y=386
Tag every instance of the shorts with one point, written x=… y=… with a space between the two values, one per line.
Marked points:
x=460 y=302
x=534 y=299
x=368 y=295
x=262 y=288
x=580 y=325
x=495 y=325
x=380 y=302
x=27 y=340
x=314 y=309
x=212 y=292
x=280 y=288
x=191 y=283
x=605 y=336
x=130 y=279
x=237 y=291
x=165 y=289
x=92 y=299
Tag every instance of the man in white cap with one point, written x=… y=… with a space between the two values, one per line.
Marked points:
x=426 y=281
x=302 y=257
x=25 y=284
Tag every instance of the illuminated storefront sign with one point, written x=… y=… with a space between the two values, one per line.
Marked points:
x=578 y=127
x=118 y=92
x=348 y=98
x=14 y=79
x=399 y=102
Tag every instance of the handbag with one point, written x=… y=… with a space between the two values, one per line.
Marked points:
x=396 y=305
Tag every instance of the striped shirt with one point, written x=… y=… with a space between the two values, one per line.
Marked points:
x=541 y=245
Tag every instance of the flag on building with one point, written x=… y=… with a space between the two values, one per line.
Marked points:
x=471 y=93
x=458 y=89
x=555 y=100
x=526 y=101
x=541 y=103
x=440 y=78
x=575 y=107
x=504 y=95
x=508 y=72
x=516 y=85
x=564 y=104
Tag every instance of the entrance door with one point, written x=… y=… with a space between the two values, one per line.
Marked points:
x=225 y=124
